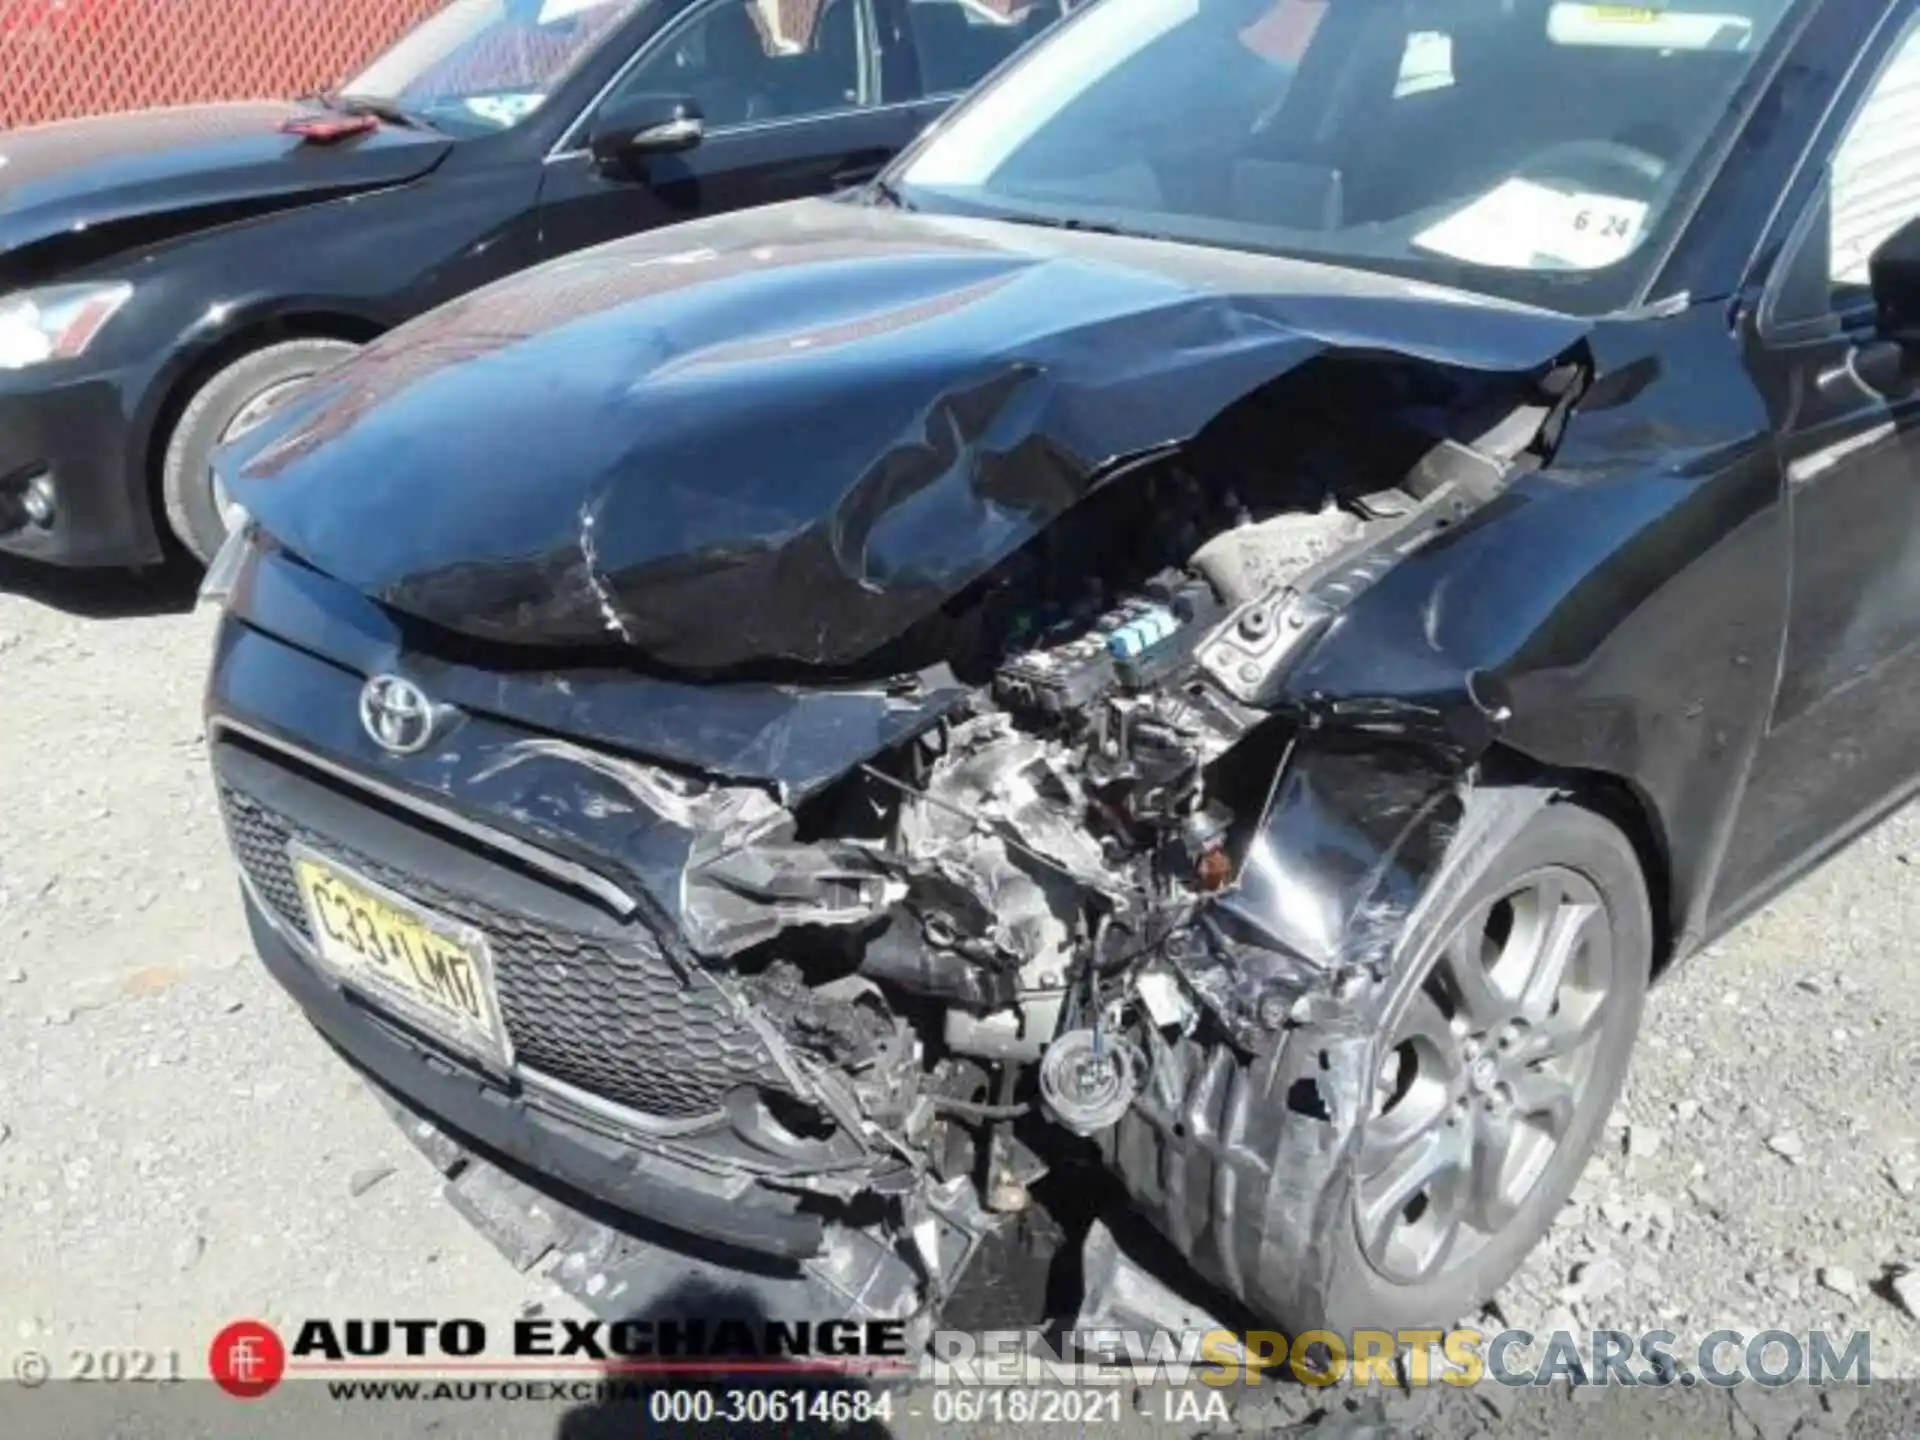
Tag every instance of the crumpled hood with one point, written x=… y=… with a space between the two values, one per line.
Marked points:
x=79 y=176
x=785 y=436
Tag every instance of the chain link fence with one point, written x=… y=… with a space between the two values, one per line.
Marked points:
x=62 y=58
x=65 y=58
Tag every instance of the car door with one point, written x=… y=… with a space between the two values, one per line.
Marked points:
x=790 y=95
x=1842 y=744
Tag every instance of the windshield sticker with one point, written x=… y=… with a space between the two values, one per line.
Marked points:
x=1644 y=28
x=1523 y=225
x=554 y=10
x=503 y=110
x=1426 y=64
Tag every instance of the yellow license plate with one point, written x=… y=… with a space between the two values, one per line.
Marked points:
x=433 y=970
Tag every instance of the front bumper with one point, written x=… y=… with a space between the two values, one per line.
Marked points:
x=601 y=1260
x=627 y=1085
x=76 y=430
x=508 y=1124
x=691 y=1225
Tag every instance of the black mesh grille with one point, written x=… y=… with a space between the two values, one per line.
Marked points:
x=618 y=1024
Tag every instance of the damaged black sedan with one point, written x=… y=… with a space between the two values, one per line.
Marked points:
x=1220 y=655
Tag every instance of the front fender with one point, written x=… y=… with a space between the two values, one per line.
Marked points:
x=1627 y=625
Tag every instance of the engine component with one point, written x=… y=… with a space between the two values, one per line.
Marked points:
x=1012 y=1167
x=997 y=853
x=1146 y=628
x=1250 y=561
x=1019 y=1032
x=1066 y=681
x=1203 y=842
x=900 y=955
x=1149 y=760
x=1244 y=653
x=1088 y=1080
x=846 y=1023
x=1127 y=648
x=1165 y=1002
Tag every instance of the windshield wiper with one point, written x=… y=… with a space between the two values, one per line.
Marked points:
x=1069 y=222
x=379 y=107
x=887 y=191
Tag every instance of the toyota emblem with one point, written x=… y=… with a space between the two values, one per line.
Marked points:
x=397 y=714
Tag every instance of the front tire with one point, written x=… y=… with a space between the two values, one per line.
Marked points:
x=1292 y=1175
x=1506 y=1038
x=226 y=407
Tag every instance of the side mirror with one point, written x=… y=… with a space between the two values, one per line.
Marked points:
x=640 y=125
x=1893 y=270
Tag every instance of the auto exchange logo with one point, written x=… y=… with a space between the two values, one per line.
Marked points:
x=247 y=1359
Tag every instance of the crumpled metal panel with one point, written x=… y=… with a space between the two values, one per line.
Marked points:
x=783 y=438
x=796 y=738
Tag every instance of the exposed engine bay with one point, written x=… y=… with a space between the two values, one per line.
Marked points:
x=1028 y=938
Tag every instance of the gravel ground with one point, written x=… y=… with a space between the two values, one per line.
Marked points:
x=177 y=1148
x=181 y=1148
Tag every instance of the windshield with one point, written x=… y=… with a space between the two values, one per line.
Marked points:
x=481 y=65
x=1524 y=148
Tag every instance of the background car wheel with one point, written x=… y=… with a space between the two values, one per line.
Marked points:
x=227 y=406
x=1507 y=1033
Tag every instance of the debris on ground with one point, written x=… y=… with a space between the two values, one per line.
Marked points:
x=365 y=1180
x=1840 y=1280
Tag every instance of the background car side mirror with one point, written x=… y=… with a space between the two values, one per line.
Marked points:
x=637 y=126
x=1893 y=271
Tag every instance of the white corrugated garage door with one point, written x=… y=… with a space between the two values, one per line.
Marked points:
x=1876 y=172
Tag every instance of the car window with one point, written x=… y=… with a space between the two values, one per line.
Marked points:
x=752 y=60
x=480 y=65
x=1534 y=149
x=958 y=41
x=1870 y=187
x=1875 y=179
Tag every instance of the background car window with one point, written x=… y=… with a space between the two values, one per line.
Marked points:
x=1875 y=186
x=958 y=41
x=752 y=60
x=487 y=64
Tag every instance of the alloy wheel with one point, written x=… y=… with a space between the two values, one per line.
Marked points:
x=1489 y=1061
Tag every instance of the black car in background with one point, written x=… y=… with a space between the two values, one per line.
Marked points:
x=167 y=277
x=1199 y=668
